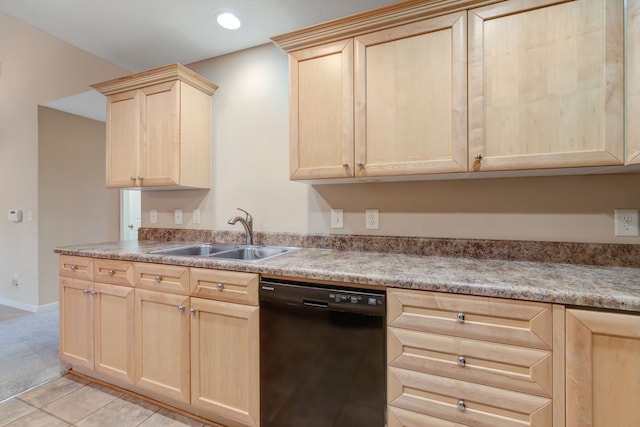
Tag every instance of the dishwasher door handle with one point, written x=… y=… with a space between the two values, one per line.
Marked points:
x=312 y=303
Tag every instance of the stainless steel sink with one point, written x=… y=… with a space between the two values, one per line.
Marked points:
x=224 y=251
x=253 y=253
x=202 y=249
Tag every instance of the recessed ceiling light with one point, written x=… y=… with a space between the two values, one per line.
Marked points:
x=228 y=20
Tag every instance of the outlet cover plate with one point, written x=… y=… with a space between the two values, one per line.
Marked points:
x=626 y=222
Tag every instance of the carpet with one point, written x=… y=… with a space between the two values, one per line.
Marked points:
x=29 y=352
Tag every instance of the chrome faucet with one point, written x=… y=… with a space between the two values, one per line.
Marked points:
x=246 y=222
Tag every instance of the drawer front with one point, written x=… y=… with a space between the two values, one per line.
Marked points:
x=159 y=277
x=465 y=403
x=113 y=272
x=398 y=417
x=520 y=323
x=499 y=365
x=229 y=286
x=76 y=267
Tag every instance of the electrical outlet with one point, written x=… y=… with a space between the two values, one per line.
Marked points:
x=372 y=221
x=153 y=216
x=178 y=216
x=626 y=222
x=337 y=218
x=196 y=216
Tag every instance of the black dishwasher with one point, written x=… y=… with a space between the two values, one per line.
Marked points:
x=322 y=356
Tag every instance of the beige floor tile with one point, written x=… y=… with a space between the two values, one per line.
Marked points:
x=38 y=418
x=11 y=410
x=79 y=404
x=166 y=418
x=52 y=391
x=124 y=412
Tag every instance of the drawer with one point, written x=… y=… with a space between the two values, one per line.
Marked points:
x=505 y=366
x=465 y=403
x=76 y=267
x=159 y=277
x=520 y=323
x=113 y=272
x=229 y=286
x=398 y=417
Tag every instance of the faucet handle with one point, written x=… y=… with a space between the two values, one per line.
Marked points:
x=248 y=217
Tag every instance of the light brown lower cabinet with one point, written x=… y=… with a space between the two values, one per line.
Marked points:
x=603 y=369
x=96 y=319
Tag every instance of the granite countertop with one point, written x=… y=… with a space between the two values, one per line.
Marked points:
x=615 y=288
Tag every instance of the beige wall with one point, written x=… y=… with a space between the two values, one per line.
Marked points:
x=250 y=170
x=34 y=68
x=73 y=204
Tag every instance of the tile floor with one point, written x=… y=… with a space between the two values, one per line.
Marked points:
x=74 y=401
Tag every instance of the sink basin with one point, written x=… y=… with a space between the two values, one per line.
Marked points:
x=203 y=249
x=253 y=253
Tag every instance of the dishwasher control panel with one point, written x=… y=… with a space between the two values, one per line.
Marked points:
x=356 y=299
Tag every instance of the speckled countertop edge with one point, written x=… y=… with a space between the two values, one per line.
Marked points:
x=616 y=288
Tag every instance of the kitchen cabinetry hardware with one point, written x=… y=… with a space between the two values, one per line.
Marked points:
x=158 y=278
x=461 y=317
x=345 y=165
x=462 y=405
x=93 y=293
x=193 y=310
x=111 y=272
x=478 y=157
x=73 y=267
x=462 y=361
x=220 y=286
x=86 y=291
x=181 y=308
x=360 y=165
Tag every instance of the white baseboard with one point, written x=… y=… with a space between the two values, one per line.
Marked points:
x=28 y=307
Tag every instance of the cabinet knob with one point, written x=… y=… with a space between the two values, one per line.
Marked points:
x=462 y=361
x=111 y=272
x=478 y=157
x=86 y=291
x=94 y=292
x=461 y=317
x=158 y=278
x=462 y=405
x=132 y=178
x=140 y=179
x=345 y=165
x=220 y=286
x=360 y=165
x=193 y=310
x=181 y=308
x=73 y=267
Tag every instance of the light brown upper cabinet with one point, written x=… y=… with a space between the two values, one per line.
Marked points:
x=546 y=85
x=159 y=129
x=385 y=103
x=632 y=59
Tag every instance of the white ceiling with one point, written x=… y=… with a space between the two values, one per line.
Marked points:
x=142 y=34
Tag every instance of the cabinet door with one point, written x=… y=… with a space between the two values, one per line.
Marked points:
x=632 y=59
x=113 y=331
x=411 y=98
x=123 y=138
x=76 y=322
x=321 y=106
x=161 y=134
x=602 y=368
x=546 y=84
x=162 y=343
x=225 y=361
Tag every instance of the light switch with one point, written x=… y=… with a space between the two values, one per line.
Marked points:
x=178 y=216
x=196 y=216
x=153 y=217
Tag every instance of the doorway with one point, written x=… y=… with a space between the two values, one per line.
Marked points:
x=130 y=214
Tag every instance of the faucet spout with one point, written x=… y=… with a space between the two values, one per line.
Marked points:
x=246 y=222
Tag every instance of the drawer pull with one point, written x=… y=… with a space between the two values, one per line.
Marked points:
x=462 y=405
x=462 y=361
x=181 y=308
x=193 y=310
x=111 y=272
x=73 y=267
x=158 y=278
x=220 y=286
x=461 y=317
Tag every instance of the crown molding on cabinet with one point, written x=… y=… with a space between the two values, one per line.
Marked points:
x=162 y=74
